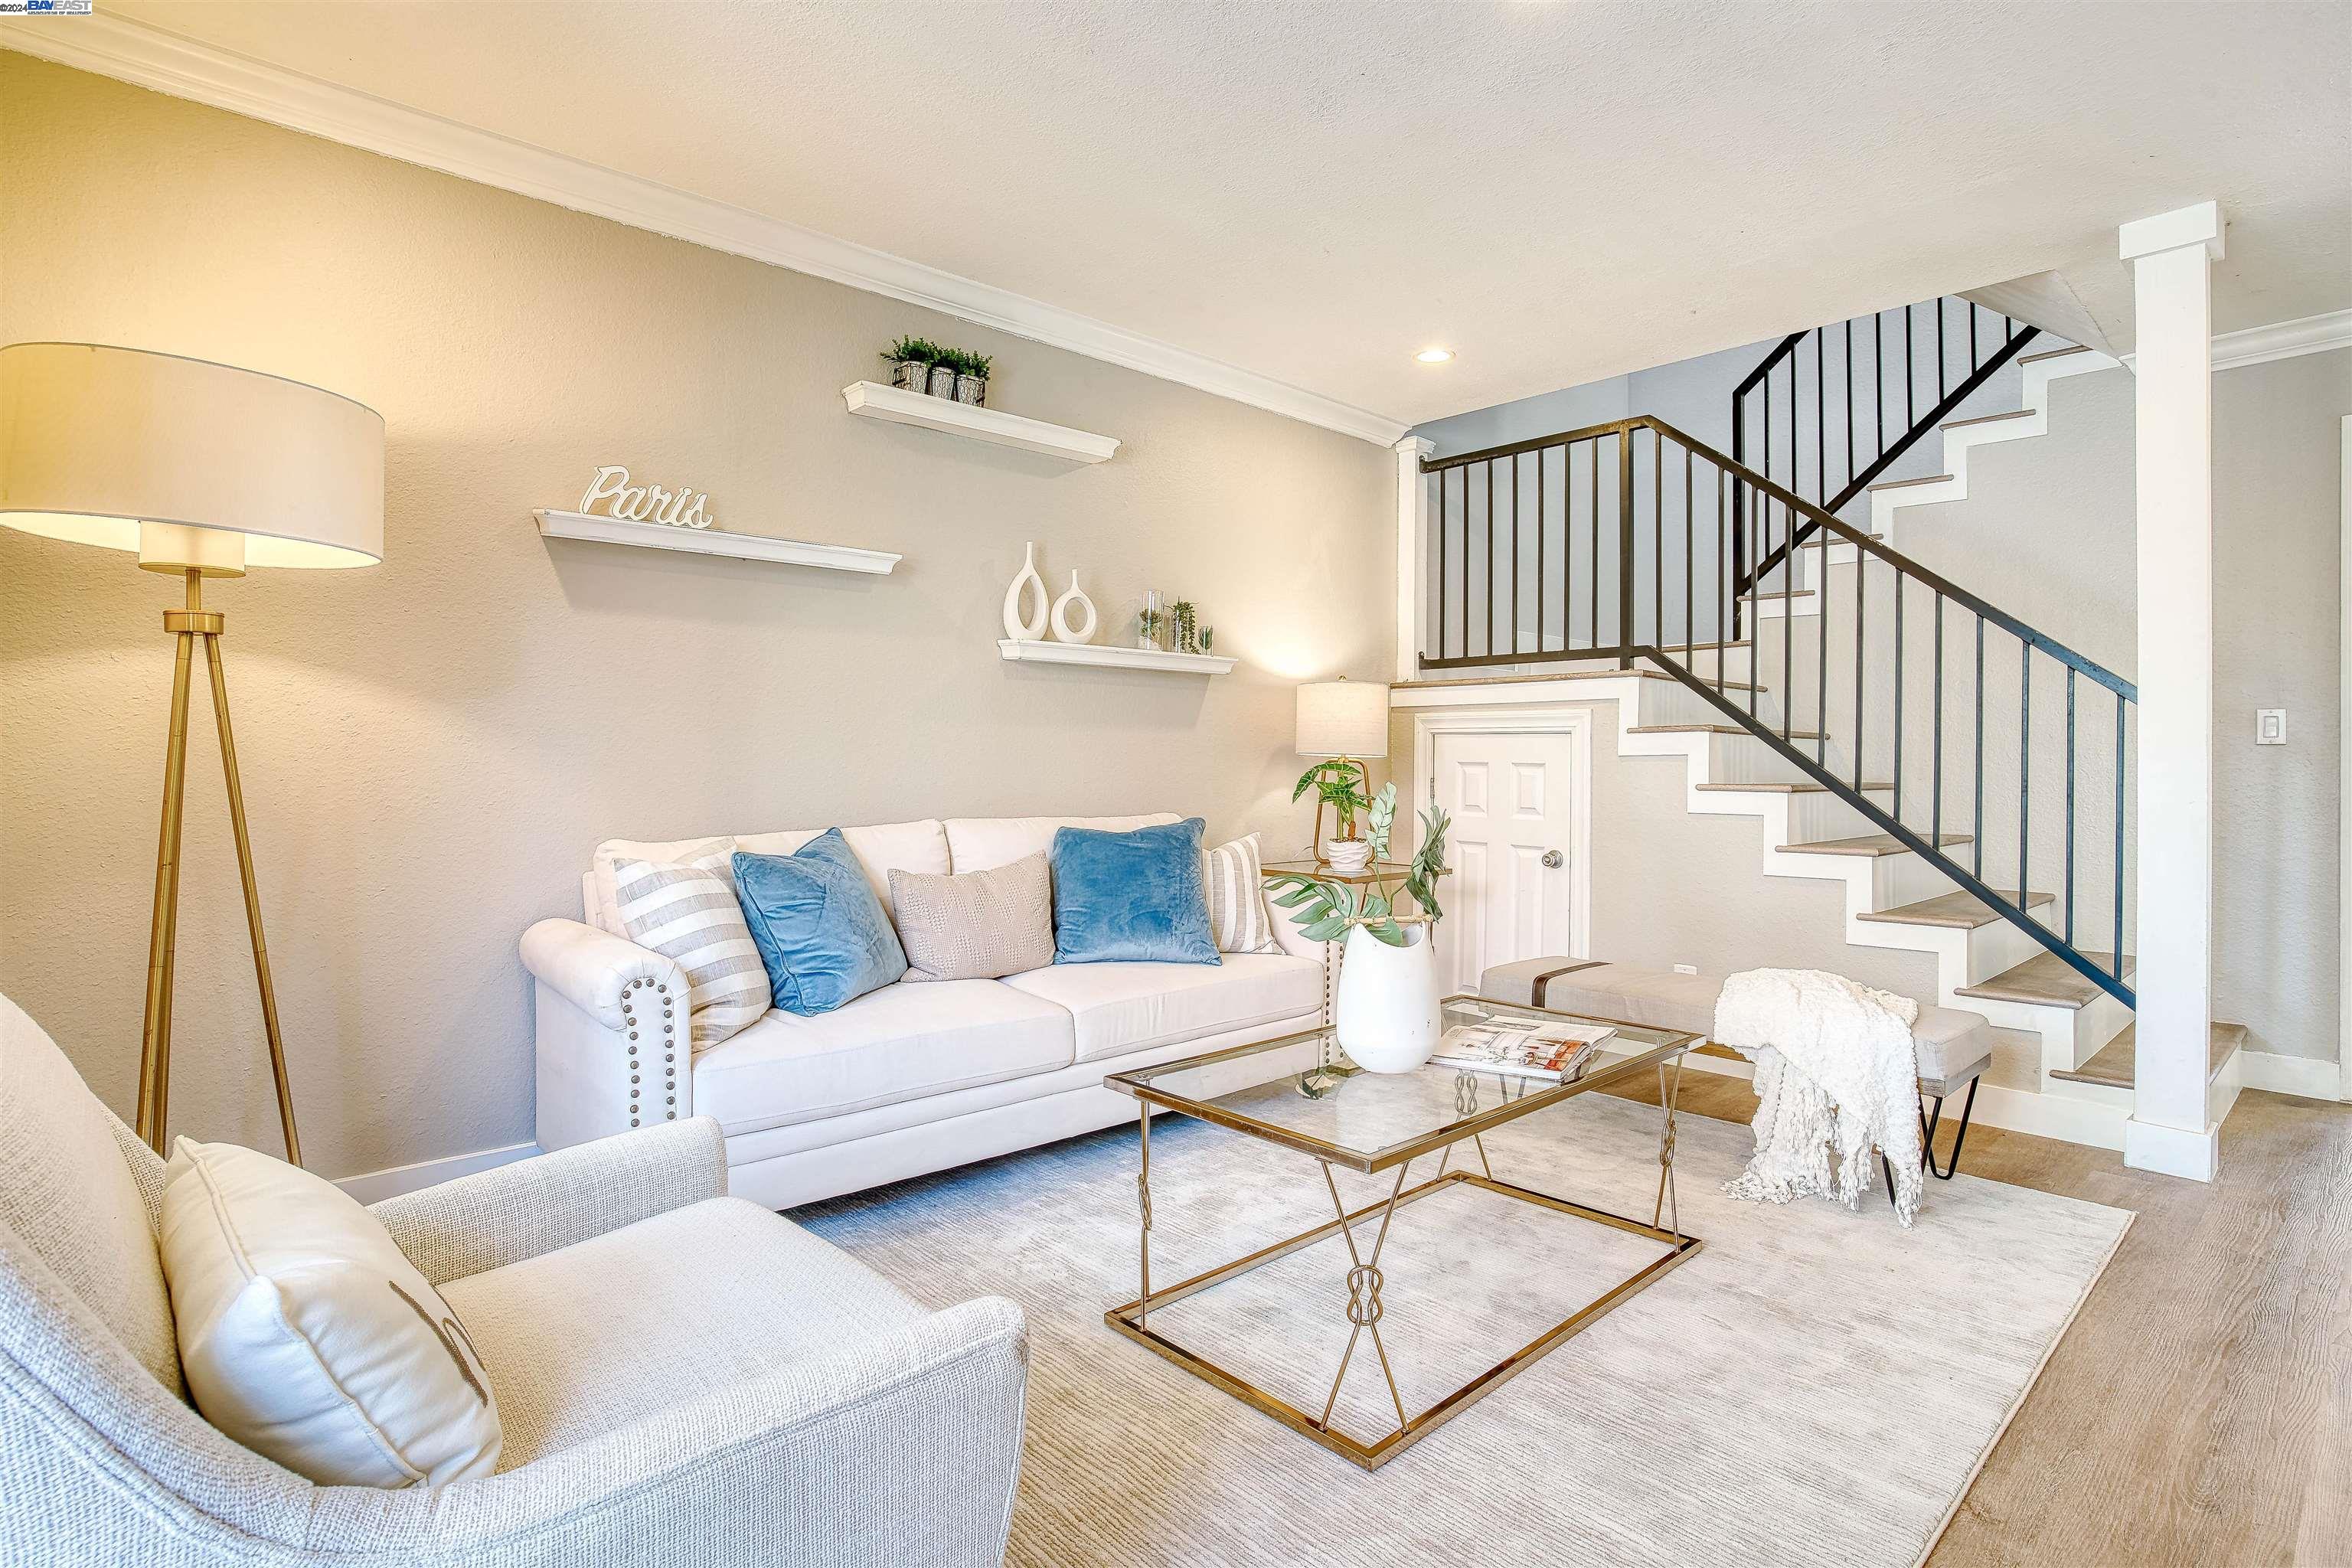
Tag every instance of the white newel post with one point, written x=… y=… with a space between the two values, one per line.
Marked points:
x=1411 y=552
x=2171 y=257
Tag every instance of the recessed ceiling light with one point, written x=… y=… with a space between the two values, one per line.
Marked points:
x=1434 y=356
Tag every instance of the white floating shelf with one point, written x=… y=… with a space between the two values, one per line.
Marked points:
x=872 y=400
x=1113 y=658
x=711 y=542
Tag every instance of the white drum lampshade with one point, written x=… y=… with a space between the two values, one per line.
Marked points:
x=193 y=465
x=1343 y=719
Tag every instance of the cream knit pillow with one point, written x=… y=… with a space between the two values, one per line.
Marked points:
x=309 y=1337
x=976 y=925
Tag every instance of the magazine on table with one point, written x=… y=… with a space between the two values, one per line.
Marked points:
x=1548 y=1048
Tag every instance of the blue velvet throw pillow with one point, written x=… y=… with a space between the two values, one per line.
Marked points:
x=820 y=929
x=1131 y=896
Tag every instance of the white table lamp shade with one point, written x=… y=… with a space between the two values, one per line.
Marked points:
x=1343 y=719
x=190 y=463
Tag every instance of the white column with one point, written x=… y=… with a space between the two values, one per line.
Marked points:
x=2171 y=257
x=1411 y=552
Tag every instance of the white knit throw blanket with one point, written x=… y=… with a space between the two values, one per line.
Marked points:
x=1835 y=1069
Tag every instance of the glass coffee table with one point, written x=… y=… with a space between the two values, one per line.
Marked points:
x=1283 y=1093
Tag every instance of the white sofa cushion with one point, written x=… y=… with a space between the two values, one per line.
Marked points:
x=309 y=1337
x=1123 y=1008
x=901 y=1042
x=903 y=846
x=984 y=843
x=590 y=1338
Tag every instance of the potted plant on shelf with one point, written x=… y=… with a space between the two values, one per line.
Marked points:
x=1386 y=1014
x=971 y=378
x=910 y=362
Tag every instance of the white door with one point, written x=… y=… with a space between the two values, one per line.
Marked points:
x=1512 y=891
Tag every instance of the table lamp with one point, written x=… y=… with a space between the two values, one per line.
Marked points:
x=1346 y=721
x=202 y=469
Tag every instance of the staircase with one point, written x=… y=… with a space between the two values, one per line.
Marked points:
x=1967 y=777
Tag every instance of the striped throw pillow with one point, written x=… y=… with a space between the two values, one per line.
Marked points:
x=1238 y=917
x=688 y=913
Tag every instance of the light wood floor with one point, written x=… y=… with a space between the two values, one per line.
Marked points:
x=2199 y=1410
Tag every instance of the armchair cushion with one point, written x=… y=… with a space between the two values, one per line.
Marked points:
x=309 y=1337
x=588 y=1338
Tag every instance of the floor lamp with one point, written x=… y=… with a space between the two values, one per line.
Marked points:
x=204 y=469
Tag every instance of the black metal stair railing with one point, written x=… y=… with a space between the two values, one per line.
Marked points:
x=1924 y=360
x=1624 y=541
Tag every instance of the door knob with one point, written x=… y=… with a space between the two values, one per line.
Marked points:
x=1553 y=859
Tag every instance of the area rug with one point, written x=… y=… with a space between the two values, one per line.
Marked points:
x=1815 y=1386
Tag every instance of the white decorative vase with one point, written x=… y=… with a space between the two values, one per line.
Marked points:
x=1349 y=856
x=1387 y=1015
x=1062 y=630
x=1021 y=627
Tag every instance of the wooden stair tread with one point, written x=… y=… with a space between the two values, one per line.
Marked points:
x=2045 y=979
x=1786 y=786
x=2056 y=354
x=1958 y=910
x=2115 y=1063
x=1872 y=844
x=1987 y=419
x=1906 y=484
x=1781 y=594
x=1712 y=729
x=1636 y=673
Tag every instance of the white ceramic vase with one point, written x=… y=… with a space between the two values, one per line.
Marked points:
x=1387 y=1015
x=1349 y=856
x=1063 y=630
x=1017 y=626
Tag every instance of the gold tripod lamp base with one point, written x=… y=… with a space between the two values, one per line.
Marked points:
x=187 y=627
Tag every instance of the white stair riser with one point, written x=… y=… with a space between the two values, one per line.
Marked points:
x=1672 y=702
x=1735 y=663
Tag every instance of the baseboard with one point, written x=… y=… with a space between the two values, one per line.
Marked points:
x=2172 y=1150
x=374 y=1186
x=2313 y=1077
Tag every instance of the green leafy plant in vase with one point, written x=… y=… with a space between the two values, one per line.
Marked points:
x=1386 y=1018
x=1338 y=783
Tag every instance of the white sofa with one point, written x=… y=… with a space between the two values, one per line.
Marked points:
x=907 y=1079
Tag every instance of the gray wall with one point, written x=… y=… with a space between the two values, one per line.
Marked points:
x=432 y=747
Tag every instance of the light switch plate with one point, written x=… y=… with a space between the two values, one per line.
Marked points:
x=2270 y=726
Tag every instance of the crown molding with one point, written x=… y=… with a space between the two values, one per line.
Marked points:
x=2283 y=339
x=2279 y=340
x=165 y=62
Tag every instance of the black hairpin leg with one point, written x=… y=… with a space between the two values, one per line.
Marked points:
x=1928 y=1125
x=1928 y=1132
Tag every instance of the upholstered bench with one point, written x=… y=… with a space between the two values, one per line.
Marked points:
x=1954 y=1048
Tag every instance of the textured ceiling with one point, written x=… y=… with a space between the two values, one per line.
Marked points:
x=1314 y=191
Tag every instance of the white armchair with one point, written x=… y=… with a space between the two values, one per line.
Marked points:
x=684 y=1378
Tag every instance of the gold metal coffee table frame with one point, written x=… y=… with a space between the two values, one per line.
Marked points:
x=1364 y=1279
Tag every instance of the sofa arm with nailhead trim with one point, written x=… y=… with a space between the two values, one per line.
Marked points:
x=614 y=1045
